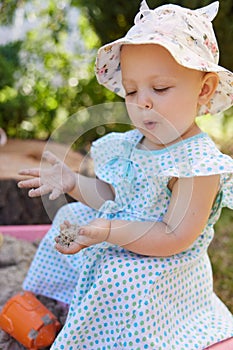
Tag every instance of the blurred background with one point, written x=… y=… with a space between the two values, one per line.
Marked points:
x=47 y=54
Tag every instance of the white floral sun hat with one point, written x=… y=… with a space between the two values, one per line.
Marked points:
x=187 y=34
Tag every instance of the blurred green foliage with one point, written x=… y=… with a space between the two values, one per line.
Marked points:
x=45 y=81
x=7 y=10
x=13 y=105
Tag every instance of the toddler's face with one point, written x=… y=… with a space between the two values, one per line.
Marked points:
x=162 y=97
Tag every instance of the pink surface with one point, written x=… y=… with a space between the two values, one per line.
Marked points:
x=223 y=345
x=27 y=232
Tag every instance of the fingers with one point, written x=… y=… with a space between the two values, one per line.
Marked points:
x=89 y=235
x=50 y=158
x=73 y=248
x=63 y=226
x=36 y=172
x=41 y=184
x=29 y=183
x=98 y=229
x=40 y=191
x=36 y=188
x=66 y=224
x=55 y=194
x=30 y=172
x=33 y=193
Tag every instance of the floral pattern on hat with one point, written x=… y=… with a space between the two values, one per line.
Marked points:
x=189 y=37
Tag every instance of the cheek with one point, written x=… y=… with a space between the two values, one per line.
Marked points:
x=190 y=97
x=131 y=108
x=190 y=104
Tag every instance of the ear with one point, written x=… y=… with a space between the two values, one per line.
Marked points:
x=209 y=85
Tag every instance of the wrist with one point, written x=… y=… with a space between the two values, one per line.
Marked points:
x=72 y=183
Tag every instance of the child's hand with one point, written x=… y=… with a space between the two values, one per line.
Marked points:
x=67 y=242
x=56 y=179
x=95 y=232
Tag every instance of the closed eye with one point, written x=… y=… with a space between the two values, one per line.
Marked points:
x=161 y=90
x=130 y=93
x=157 y=90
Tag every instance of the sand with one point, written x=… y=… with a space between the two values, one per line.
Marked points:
x=68 y=235
x=15 y=258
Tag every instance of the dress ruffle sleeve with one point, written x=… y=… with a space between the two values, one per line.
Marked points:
x=199 y=156
x=196 y=156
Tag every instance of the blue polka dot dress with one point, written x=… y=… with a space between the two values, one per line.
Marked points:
x=122 y=300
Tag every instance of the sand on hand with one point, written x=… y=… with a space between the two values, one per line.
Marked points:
x=68 y=234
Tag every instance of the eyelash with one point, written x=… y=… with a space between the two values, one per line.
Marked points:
x=155 y=90
x=161 y=90
x=130 y=93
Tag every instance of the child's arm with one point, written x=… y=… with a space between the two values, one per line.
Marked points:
x=59 y=178
x=187 y=215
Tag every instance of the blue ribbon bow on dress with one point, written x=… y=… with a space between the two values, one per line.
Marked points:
x=124 y=182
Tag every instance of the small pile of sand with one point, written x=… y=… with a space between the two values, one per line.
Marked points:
x=68 y=235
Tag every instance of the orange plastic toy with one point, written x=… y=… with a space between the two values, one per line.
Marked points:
x=29 y=321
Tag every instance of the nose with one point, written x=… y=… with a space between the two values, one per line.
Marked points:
x=144 y=100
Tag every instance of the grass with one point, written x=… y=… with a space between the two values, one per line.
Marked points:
x=221 y=255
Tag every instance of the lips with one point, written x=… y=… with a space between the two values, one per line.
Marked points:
x=149 y=125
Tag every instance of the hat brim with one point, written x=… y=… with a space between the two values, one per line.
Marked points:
x=108 y=69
